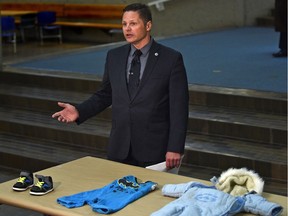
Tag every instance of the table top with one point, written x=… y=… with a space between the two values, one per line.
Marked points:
x=90 y=173
x=15 y=12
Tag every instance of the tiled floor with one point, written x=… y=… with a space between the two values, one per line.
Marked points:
x=33 y=49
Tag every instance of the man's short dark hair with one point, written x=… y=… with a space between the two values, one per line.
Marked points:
x=142 y=9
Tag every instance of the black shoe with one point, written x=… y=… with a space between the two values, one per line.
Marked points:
x=281 y=53
x=24 y=182
x=43 y=186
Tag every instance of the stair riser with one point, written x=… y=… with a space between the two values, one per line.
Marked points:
x=197 y=97
x=238 y=131
x=86 y=141
x=49 y=106
x=24 y=163
x=261 y=105
x=219 y=161
x=52 y=82
x=224 y=162
x=26 y=103
x=199 y=126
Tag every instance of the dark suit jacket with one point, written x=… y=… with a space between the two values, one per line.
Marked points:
x=155 y=120
x=281 y=15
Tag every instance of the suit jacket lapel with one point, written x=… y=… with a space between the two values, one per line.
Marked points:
x=123 y=70
x=151 y=61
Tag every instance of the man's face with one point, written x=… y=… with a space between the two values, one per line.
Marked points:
x=134 y=29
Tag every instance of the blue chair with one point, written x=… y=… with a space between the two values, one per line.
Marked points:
x=47 y=28
x=8 y=30
x=27 y=21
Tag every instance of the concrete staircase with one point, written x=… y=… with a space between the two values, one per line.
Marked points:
x=227 y=127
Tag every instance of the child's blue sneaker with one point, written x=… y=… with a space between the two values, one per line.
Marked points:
x=43 y=186
x=24 y=182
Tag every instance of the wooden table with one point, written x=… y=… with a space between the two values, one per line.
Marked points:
x=15 y=12
x=91 y=173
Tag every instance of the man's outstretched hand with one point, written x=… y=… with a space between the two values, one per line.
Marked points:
x=68 y=114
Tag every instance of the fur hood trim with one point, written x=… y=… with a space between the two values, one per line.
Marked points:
x=240 y=181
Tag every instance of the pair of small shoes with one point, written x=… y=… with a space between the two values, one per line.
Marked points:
x=43 y=186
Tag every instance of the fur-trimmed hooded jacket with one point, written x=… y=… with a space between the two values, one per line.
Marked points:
x=236 y=190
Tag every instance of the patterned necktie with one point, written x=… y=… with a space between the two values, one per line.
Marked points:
x=134 y=73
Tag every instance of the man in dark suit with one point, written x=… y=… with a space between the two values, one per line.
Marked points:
x=149 y=121
x=281 y=26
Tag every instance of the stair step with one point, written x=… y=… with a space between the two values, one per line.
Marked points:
x=42 y=125
x=222 y=153
x=51 y=80
x=199 y=148
x=199 y=151
x=240 y=99
x=270 y=129
x=33 y=97
x=36 y=98
x=243 y=99
x=35 y=154
x=270 y=161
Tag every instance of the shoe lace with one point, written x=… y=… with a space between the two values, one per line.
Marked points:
x=21 y=179
x=39 y=184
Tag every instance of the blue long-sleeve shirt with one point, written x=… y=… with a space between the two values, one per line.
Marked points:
x=111 y=197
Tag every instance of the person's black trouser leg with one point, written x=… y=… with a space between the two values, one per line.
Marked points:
x=283 y=41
